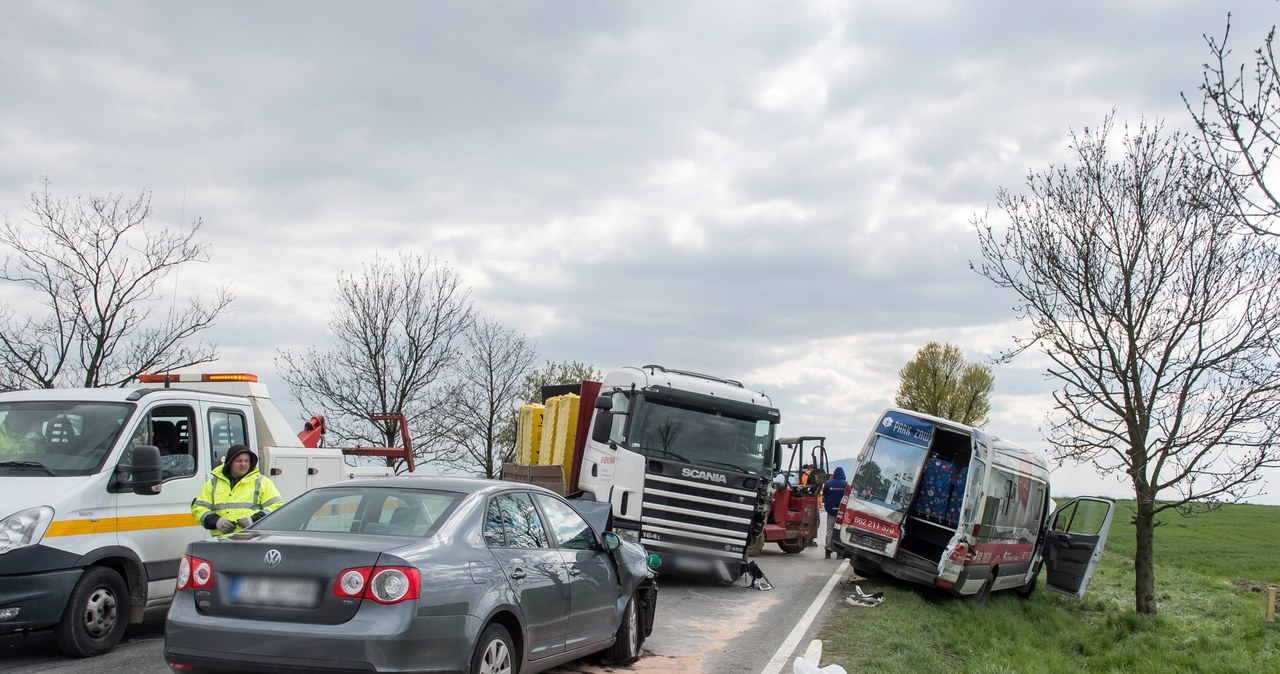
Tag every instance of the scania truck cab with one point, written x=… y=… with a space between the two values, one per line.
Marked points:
x=684 y=458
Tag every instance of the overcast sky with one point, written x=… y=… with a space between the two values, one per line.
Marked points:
x=779 y=193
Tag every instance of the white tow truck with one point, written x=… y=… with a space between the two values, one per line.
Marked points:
x=96 y=488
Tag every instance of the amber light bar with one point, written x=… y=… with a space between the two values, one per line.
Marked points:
x=179 y=378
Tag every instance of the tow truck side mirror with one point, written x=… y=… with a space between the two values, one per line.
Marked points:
x=142 y=474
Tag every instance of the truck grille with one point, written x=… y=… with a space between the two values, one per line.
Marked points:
x=694 y=511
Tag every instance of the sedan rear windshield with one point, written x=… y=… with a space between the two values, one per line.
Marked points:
x=386 y=511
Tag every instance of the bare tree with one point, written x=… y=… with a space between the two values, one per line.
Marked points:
x=1160 y=319
x=938 y=381
x=1239 y=124
x=96 y=270
x=484 y=405
x=397 y=328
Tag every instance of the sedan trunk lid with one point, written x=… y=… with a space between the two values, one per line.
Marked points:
x=285 y=576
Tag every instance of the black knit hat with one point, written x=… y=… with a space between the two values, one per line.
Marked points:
x=236 y=450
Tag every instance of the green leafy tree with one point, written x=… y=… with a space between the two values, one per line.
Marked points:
x=938 y=381
x=1160 y=316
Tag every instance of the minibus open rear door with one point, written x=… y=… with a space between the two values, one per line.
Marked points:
x=1073 y=543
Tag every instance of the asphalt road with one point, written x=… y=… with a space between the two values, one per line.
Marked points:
x=698 y=627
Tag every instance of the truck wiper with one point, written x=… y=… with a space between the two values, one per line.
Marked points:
x=667 y=452
x=27 y=464
x=734 y=466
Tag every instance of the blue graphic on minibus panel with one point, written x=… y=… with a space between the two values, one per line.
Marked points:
x=906 y=428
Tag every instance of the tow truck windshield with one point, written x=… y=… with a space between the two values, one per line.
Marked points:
x=58 y=438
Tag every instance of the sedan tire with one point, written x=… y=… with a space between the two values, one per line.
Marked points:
x=629 y=637
x=494 y=653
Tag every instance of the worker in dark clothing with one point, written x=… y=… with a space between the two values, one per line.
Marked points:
x=832 y=492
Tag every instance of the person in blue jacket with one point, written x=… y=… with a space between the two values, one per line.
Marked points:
x=832 y=492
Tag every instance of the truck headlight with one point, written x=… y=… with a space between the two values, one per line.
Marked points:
x=24 y=528
x=628 y=535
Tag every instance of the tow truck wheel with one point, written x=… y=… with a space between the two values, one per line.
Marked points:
x=96 y=614
x=791 y=547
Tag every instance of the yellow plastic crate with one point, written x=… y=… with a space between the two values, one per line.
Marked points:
x=558 y=431
x=529 y=443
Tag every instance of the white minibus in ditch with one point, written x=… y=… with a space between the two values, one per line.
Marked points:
x=948 y=505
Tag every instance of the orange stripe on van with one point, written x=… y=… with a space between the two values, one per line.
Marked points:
x=108 y=525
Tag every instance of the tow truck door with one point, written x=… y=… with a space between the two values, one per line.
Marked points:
x=1073 y=543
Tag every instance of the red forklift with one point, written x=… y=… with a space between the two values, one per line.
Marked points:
x=792 y=518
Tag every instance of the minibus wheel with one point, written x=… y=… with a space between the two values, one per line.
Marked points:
x=984 y=592
x=1026 y=590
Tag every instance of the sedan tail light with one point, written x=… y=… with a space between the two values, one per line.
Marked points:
x=194 y=574
x=383 y=584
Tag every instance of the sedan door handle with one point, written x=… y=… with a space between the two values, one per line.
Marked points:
x=573 y=569
x=518 y=574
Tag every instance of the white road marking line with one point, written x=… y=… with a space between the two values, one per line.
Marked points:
x=788 y=647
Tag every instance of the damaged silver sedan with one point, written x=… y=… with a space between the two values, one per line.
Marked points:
x=425 y=574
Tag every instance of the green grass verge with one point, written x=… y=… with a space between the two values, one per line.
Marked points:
x=1211 y=572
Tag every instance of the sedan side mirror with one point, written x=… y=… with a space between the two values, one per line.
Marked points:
x=611 y=541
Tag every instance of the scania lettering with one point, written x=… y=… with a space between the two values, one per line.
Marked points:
x=939 y=503
x=704 y=475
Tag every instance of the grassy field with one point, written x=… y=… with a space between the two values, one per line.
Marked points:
x=1211 y=574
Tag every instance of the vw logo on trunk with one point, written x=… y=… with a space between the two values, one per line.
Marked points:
x=273 y=558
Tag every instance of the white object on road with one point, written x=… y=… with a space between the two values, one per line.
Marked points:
x=779 y=659
x=808 y=664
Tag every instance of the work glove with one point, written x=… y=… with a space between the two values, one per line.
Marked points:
x=244 y=522
x=225 y=525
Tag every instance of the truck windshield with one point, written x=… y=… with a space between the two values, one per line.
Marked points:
x=58 y=438
x=887 y=474
x=700 y=436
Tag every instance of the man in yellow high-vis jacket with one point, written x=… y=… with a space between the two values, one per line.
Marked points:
x=236 y=494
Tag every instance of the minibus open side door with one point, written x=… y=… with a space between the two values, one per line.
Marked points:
x=1073 y=543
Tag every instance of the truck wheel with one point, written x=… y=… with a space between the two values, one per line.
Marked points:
x=494 y=653
x=96 y=614
x=792 y=547
x=626 y=649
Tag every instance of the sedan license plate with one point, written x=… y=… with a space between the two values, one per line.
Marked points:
x=265 y=591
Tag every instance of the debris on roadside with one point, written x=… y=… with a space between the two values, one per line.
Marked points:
x=808 y=663
x=758 y=579
x=860 y=598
